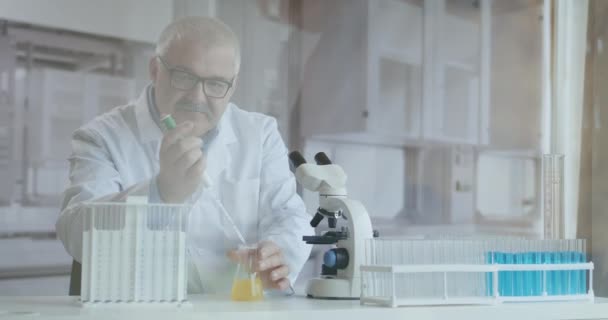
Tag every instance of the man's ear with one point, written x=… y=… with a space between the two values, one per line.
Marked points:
x=235 y=82
x=153 y=68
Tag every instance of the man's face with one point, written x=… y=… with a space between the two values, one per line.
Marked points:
x=190 y=60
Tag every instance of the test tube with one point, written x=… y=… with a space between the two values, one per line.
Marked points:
x=519 y=279
x=582 y=248
x=538 y=275
x=478 y=260
x=553 y=191
x=569 y=256
x=489 y=284
x=527 y=275
x=559 y=274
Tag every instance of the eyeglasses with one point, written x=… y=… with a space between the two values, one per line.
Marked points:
x=184 y=80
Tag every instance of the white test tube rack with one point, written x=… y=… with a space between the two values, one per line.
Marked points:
x=372 y=275
x=134 y=253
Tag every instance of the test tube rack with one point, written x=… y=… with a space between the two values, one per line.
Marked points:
x=488 y=271
x=134 y=254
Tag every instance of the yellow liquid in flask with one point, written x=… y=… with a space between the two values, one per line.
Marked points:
x=247 y=290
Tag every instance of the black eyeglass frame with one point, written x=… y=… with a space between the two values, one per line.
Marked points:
x=202 y=80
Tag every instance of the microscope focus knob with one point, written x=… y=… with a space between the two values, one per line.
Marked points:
x=336 y=258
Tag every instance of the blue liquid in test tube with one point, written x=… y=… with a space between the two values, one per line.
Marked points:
x=548 y=259
x=529 y=276
x=518 y=286
x=509 y=276
x=538 y=275
x=559 y=275
x=583 y=286
x=499 y=257
x=489 y=278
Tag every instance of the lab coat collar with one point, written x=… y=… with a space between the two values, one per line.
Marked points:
x=149 y=130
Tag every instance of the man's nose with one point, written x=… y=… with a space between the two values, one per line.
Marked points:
x=197 y=94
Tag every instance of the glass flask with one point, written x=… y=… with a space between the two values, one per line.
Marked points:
x=247 y=285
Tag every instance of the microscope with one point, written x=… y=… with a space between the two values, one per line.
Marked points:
x=340 y=275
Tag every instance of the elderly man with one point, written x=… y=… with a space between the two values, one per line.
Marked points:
x=126 y=152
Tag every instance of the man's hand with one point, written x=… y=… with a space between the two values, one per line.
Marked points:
x=182 y=164
x=268 y=261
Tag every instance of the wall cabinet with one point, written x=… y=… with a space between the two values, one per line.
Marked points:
x=399 y=71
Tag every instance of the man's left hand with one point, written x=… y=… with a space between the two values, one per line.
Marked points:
x=268 y=261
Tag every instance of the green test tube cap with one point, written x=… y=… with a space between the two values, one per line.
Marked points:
x=168 y=121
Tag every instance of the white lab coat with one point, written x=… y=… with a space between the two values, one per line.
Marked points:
x=116 y=155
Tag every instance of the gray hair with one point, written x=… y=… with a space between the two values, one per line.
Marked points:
x=210 y=31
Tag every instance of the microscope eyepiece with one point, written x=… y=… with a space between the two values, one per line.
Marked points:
x=296 y=159
x=322 y=159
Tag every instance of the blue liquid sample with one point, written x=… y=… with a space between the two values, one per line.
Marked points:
x=489 y=279
x=518 y=276
x=529 y=276
x=509 y=276
x=538 y=275
x=549 y=275
x=499 y=257
x=583 y=274
x=536 y=283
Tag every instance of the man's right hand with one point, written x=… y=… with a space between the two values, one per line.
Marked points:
x=182 y=164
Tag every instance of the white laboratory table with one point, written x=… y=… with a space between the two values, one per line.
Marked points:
x=292 y=308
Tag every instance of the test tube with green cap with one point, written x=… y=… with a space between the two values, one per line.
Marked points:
x=168 y=121
x=170 y=124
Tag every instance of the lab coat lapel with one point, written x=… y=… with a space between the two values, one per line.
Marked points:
x=219 y=158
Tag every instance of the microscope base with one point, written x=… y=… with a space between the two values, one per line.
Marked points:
x=331 y=289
